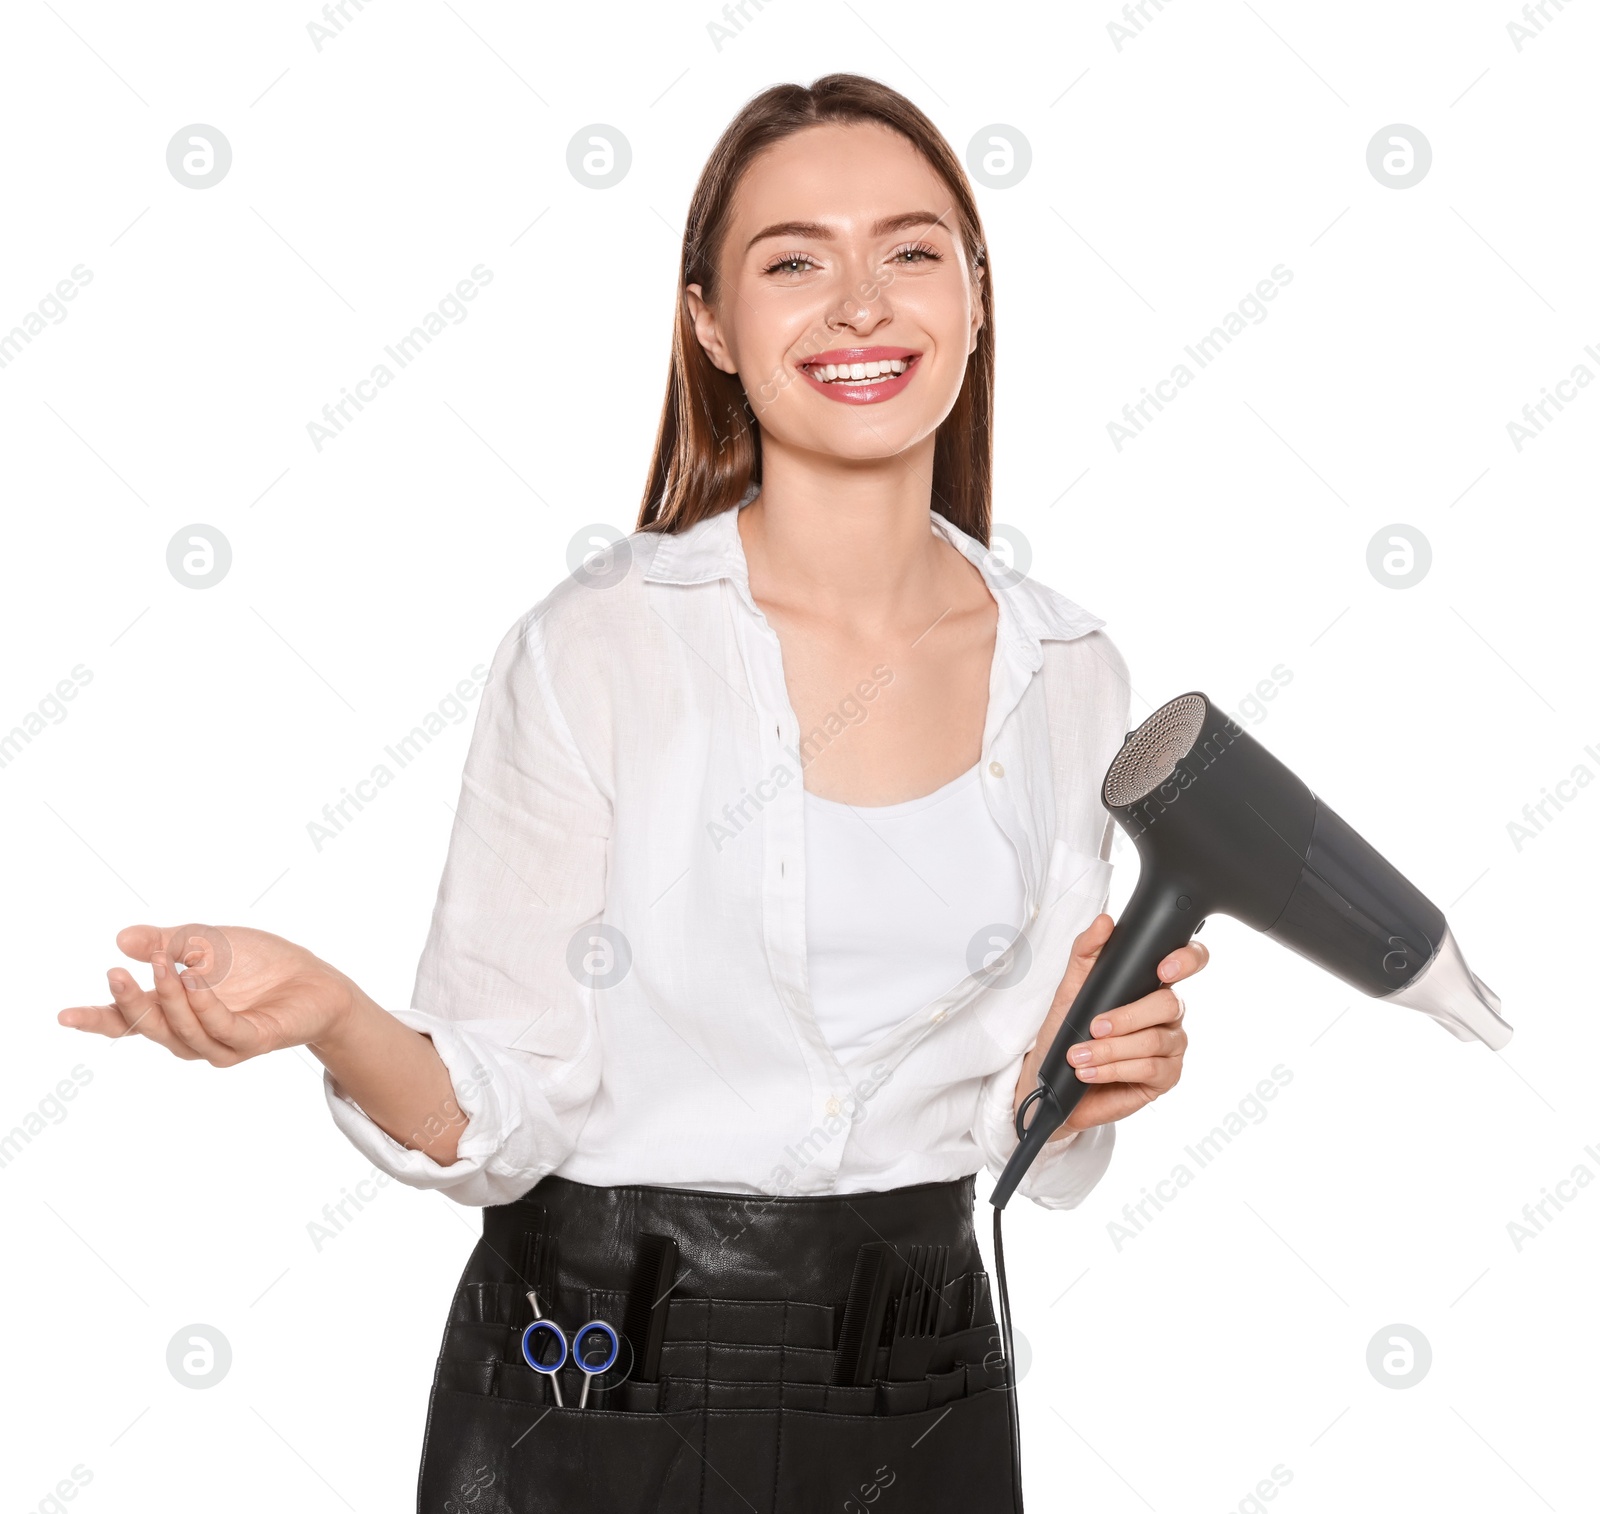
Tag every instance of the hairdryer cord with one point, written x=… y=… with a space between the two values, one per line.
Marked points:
x=1011 y=1366
x=1042 y=1091
x=1048 y=1118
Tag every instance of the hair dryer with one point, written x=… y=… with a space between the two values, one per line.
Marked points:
x=1222 y=826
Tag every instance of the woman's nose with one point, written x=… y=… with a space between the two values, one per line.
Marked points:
x=857 y=304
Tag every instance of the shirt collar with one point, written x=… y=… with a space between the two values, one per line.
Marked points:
x=1030 y=612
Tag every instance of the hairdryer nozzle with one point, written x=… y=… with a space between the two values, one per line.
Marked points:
x=1447 y=990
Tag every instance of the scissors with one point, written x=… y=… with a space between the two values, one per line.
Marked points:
x=595 y=1327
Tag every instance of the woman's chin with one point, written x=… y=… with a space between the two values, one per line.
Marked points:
x=858 y=442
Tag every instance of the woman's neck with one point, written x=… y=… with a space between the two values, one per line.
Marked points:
x=849 y=543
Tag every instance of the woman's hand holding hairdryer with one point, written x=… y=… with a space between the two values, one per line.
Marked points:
x=1137 y=1051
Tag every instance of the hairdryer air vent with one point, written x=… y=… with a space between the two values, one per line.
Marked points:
x=1150 y=754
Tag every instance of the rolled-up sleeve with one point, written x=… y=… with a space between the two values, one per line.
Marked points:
x=1064 y=1172
x=504 y=985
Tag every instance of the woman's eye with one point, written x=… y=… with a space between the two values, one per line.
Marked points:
x=795 y=263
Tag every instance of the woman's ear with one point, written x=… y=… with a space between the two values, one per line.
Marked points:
x=977 y=309
x=706 y=330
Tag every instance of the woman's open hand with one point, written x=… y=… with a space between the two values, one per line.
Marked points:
x=1136 y=1053
x=245 y=992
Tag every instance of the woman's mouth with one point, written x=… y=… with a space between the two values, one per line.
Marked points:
x=861 y=375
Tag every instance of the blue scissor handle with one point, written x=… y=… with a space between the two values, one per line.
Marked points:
x=577 y=1348
x=527 y=1346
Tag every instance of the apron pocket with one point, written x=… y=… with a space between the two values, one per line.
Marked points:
x=933 y=1391
x=496 y=1454
x=903 y=1398
x=946 y=1387
x=955 y=1457
x=741 y=1395
x=636 y=1398
x=986 y=1374
x=485 y=1342
x=974 y=1345
x=466 y=1377
x=764 y=1364
x=751 y=1322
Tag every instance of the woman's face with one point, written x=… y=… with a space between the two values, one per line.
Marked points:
x=842 y=249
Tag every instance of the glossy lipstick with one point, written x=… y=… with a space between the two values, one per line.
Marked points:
x=861 y=391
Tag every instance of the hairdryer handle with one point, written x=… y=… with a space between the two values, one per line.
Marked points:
x=1161 y=915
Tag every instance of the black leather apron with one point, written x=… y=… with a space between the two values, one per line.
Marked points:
x=749 y=1412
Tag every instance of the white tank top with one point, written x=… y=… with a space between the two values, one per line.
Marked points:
x=895 y=896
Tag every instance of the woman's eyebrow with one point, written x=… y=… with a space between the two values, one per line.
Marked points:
x=817 y=231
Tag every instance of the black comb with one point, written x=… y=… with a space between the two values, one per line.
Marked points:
x=645 y=1321
x=535 y=1271
x=863 y=1316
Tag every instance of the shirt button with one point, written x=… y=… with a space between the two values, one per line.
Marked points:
x=997 y=770
x=832 y=1106
x=937 y=1015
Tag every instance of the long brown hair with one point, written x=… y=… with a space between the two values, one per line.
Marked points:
x=708 y=446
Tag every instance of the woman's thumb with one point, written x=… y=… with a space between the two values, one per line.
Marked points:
x=1092 y=937
x=1085 y=953
x=139 y=941
x=205 y=947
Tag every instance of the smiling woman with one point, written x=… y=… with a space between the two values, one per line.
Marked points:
x=725 y=1091
x=886 y=243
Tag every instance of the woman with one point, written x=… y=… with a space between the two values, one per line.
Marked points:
x=777 y=865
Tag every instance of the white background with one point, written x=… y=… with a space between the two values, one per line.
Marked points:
x=1228 y=1337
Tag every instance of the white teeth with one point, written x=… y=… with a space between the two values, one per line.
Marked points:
x=830 y=373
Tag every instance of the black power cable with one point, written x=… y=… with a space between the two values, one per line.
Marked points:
x=1011 y=1366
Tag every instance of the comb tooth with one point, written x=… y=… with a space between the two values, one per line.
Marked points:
x=902 y=1303
x=549 y=1273
x=635 y=1314
x=645 y=1320
x=863 y=1316
x=936 y=1299
x=873 y=1333
x=530 y=1279
x=666 y=1280
x=913 y=1285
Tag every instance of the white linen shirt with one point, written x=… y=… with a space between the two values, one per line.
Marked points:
x=615 y=973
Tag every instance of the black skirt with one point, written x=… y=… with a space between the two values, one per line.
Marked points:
x=775 y=1355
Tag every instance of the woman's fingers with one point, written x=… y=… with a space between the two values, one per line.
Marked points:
x=100 y=1019
x=1159 y=1073
x=140 y=1010
x=1161 y=1007
x=174 y=1000
x=1135 y=1051
x=1116 y=1101
x=237 y=1034
x=1127 y=1059
x=1183 y=963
